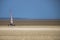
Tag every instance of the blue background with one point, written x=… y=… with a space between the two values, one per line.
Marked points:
x=32 y=9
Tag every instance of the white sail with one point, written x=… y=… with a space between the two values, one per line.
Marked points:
x=11 y=17
x=11 y=21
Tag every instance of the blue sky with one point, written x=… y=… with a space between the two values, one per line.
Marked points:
x=33 y=9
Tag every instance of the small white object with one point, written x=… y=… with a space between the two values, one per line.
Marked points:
x=11 y=21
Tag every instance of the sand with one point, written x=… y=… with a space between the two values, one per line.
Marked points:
x=29 y=32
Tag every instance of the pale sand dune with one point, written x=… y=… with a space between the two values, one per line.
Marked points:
x=31 y=26
x=29 y=32
x=40 y=29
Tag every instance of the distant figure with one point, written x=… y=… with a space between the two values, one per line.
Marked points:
x=11 y=20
